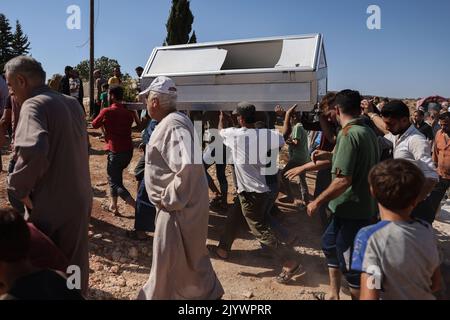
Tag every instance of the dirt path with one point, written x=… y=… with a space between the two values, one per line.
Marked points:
x=120 y=266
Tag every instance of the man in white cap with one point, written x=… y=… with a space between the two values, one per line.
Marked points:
x=177 y=185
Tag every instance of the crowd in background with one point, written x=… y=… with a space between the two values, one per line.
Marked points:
x=382 y=172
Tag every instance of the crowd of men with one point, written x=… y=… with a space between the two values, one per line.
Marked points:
x=382 y=173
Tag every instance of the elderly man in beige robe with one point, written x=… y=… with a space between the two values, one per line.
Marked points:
x=51 y=176
x=181 y=268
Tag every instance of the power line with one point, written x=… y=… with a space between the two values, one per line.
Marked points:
x=95 y=25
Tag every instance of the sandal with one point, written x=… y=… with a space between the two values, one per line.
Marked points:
x=285 y=276
x=213 y=251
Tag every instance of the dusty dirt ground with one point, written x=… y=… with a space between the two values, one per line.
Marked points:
x=120 y=266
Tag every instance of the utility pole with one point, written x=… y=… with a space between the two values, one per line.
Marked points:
x=91 y=60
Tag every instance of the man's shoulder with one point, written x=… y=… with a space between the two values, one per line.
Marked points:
x=230 y=131
x=439 y=134
x=358 y=132
x=416 y=136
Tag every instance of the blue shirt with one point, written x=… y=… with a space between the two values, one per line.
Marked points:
x=147 y=132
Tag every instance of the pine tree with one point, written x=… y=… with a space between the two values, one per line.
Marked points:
x=193 y=38
x=179 y=24
x=6 y=38
x=20 y=44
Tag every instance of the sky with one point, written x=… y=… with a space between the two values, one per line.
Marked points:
x=408 y=57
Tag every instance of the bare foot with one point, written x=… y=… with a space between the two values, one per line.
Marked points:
x=114 y=210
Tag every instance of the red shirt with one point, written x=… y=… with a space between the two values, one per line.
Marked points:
x=44 y=253
x=117 y=121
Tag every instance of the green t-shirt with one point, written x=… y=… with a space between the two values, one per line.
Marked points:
x=355 y=154
x=104 y=100
x=299 y=152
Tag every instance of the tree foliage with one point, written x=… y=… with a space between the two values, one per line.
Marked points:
x=104 y=64
x=6 y=38
x=12 y=44
x=20 y=44
x=179 y=24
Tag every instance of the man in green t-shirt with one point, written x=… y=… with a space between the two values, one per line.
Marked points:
x=296 y=138
x=349 y=198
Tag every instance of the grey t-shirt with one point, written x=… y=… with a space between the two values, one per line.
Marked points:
x=401 y=257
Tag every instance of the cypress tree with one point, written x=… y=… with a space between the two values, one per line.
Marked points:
x=179 y=24
x=193 y=38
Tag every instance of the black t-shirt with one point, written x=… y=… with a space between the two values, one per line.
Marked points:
x=42 y=285
x=425 y=129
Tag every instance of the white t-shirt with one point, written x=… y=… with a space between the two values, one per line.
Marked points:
x=74 y=85
x=249 y=148
x=413 y=146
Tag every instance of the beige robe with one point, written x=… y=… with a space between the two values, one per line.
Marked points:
x=181 y=268
x=53 y=168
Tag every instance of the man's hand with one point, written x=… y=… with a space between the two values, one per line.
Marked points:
x=312 y=208
x=291 y=110
x=279 y=111
x=27 y=202
x=366 y=107
x=319 y=155
x=295 y=172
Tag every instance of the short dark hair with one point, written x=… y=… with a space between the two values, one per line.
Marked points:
x=105 y=86
x=68 y=68
x=349 y=102
x=15 y=236
x=327 y=101
x=420 y=112
x=444 y=116
x=385 y=100
x=396 y=184
x=395 y=109
x=117 y=92
x=139 y=68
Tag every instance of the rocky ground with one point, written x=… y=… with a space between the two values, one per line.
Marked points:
x=120 y=266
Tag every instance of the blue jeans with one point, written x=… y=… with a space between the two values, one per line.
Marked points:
x=337 y=245
x=145 y=213
x=117 y=162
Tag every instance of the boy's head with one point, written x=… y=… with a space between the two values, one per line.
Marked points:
x=139 y=70
x=14 y=243
x=105 y=87
x=396 y=184
x=115 y=94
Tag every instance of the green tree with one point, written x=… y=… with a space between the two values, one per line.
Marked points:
x=104 y=64
x=6 y=38
x=20 y=44
x=193 y=38
x=179 y=24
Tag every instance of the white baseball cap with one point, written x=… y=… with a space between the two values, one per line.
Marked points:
x=161 y=84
